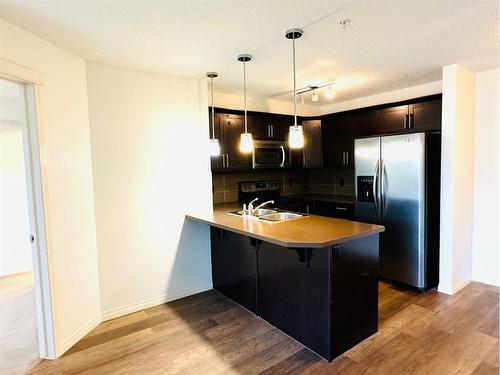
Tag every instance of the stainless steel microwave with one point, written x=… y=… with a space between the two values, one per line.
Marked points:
x=270 y=154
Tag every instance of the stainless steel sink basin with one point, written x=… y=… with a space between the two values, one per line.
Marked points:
x=258 y=212
x=280 y=216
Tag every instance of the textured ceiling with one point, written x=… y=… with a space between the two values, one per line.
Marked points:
x=388 y=44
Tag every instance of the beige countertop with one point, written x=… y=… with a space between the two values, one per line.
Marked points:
x=310 y=231
x=335 y=198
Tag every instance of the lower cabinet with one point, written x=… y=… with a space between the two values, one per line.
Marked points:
x=331 y=209
x=294 y=293
x=326 y=298
x=234 y=267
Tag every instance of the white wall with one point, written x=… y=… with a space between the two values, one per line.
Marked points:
x=149 y=135
x=457 y=174
x=67 y=181
x=15 y=247
x=485 y=267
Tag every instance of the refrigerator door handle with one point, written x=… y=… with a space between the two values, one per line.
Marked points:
x=375 y=180
x=383 y=184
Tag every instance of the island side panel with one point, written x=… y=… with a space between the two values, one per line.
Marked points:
x=234 y=267
x=355 y=268
x=294 y=293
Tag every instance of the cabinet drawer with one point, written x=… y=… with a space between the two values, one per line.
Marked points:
x=336 y=210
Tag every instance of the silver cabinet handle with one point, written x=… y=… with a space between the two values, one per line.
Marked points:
x=283 y=155
x=347 y=158
x=223 y=160
x=272 y=131
x=227 y=160
x=341 y=208
x=343 y=157
x=268 y=131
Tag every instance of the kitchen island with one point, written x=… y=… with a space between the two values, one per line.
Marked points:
x=315 y=278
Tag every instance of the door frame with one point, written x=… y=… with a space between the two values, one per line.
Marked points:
x=30 y=83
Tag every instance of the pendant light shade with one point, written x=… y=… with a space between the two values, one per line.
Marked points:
x=213 y=144
x=214 y=147
x=296 y=136
x=314 y=97
x=246 y=140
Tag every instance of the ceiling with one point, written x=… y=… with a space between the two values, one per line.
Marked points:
x=388 y=44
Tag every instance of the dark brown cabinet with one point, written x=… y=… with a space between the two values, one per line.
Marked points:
x=267 y=127
x=425 y=116
x=332 y=209
x=228 y=129
x=338 y=142
x=326 y=298
x=232 y=127
x=312 y=155
x=392 y=120
x=422 y=116
x=234 y=267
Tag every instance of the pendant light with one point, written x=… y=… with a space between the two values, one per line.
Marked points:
x=296 y=136
x=246 y=140
x=213 y=145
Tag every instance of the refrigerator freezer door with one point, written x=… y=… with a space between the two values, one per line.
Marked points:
x=402 y=206
x=367 y=181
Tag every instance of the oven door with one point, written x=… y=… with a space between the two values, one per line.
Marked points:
x=270 y=155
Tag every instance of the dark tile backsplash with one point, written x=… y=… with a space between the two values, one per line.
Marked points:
x=327 y=181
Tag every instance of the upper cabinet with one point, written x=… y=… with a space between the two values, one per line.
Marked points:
x=312 y=156
x=425 y=116
x=339 y=131
x=329 y=140
x=268 y=127
x=422 y=116
x=228 y=131
x=392 y=120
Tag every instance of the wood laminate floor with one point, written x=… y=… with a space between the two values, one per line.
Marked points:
x=429 y=333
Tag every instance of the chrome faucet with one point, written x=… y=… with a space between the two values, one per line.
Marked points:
x=250 y=207
x=252 y=210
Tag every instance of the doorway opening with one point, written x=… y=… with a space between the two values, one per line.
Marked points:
x=25 y=317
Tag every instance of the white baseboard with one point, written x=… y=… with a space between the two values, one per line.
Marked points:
x=461 y=284
x=151 y=302
x=455 y=287
x=77 y=335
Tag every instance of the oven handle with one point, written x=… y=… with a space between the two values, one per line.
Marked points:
x=283 y=155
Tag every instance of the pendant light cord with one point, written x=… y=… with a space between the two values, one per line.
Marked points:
x=245 y=93
x=294 y=87
x=213 y=115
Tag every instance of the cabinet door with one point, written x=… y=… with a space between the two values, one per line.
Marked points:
x=312 y=152
x=294 y=293
x=363 y=123
x=216 y=161
x=232 y=127
x=280 y=126
x=355 y=292
x=234 y=267
x=425 y=116
x=259 y=127
x=393 y=120
x=332 y=130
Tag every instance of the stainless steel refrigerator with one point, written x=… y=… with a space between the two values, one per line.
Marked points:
x=397 y=185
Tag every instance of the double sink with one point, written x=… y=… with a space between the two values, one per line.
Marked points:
x=274 y=216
